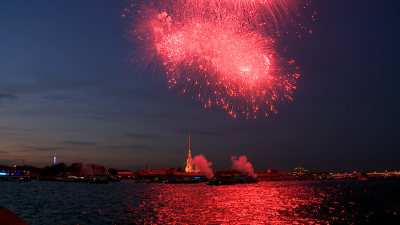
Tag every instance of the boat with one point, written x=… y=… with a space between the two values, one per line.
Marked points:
x=182 y=181
x=221 y=182
x=70 y=179
x=48 y=178
x=111 y=178
x=19 y=178
x=98 y=179
x=247 y=181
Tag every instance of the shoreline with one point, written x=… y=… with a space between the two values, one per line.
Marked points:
x=8 y=217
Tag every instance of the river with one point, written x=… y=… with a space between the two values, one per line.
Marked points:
x=280 y=202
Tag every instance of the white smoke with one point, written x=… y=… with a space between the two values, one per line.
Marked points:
x=242 y=165
x=205 y=167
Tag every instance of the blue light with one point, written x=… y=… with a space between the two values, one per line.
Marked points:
x=17 y=174
x=3 y=174
x=196 y=177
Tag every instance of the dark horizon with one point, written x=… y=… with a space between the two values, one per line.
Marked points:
x=272 y=168
x=67 y=81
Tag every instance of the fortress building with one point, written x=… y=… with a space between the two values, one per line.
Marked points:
x=189 y=166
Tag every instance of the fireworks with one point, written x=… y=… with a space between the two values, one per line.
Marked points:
x=219 y=54
x=274 y=15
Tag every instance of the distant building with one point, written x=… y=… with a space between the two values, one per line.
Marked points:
x=300 y=170
x=262 y=175
x=124 y=174
x=189 y=166
x=55 y=156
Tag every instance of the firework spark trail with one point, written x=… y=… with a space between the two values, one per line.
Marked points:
x=215 y=55
x=273 y=15
x=229 y=64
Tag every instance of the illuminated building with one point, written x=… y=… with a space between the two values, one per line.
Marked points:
x=300 y=170
x=189 y=166
x=55 y=156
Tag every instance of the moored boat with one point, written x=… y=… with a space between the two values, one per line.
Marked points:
x=182 y=181
x=247 y=181
x=70 y=179
x=221 y=182
x=98 y=179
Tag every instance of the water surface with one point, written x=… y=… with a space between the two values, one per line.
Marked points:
x=283 y=202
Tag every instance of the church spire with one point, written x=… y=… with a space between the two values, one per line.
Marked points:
x=189 y=166
x=190 y=154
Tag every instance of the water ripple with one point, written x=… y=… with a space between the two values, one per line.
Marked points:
x=312 y=202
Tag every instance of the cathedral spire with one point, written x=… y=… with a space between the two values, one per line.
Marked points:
x=190 y=154
x=189 y=166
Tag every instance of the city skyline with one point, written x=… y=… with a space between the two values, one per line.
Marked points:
x=67 y=81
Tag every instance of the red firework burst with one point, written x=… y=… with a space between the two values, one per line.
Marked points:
x=217 y=56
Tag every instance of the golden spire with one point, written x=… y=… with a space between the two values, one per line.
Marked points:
x=189 y=166
x=190 y=154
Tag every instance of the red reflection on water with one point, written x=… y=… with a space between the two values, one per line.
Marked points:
x=265 y=202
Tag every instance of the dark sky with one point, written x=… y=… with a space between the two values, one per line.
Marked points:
x=66 y=81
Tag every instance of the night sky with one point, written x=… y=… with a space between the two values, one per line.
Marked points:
x=67 y=81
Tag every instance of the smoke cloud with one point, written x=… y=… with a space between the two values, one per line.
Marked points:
x=205 y=167
x=242 y=165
